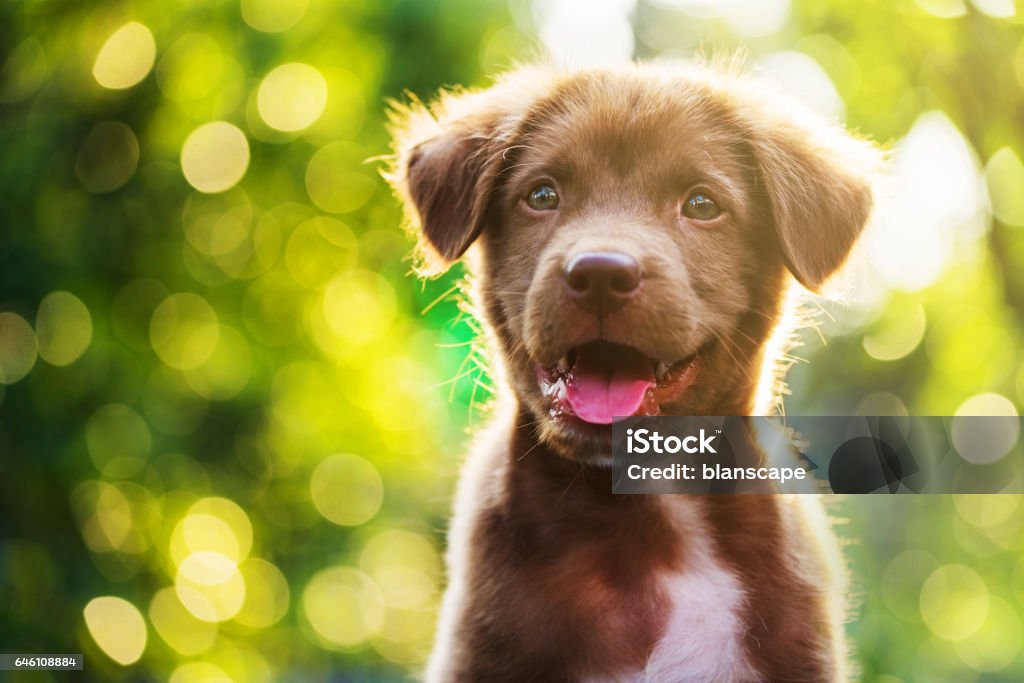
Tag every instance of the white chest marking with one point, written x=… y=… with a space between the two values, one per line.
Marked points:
x=702 y=641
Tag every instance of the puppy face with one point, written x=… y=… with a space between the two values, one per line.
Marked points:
x=636 y=228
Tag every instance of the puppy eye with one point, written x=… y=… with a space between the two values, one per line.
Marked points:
x=701 y=207
x=542 y=198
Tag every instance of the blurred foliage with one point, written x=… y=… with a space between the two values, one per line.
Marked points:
x=229 y=418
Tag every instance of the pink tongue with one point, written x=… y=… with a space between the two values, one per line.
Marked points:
x=608 y=381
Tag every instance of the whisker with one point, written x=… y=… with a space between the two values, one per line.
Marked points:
x=571 y=482
x=531 y=449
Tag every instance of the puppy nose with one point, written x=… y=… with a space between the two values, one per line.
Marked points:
x=602 y=282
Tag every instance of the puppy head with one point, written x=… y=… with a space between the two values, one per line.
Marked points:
x=637 y=230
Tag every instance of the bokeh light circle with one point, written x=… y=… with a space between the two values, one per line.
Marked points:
x=884 y=403
x=215 y=157
x=336 y=180
x=217 y=225
x=319 y=249
x=902 y=334
x=292 y=97
x=118 y=440
x=126 y=57
x=106 y=517
x=954 y=602
x=243 y=663
x=996 y=644
x=18 y=347
x=210 y=586
x=268 y=309
x=184 y=330
x=226 y=371
x=117 y=627
x=404 y=565
x=346 y=489
x=266 y=594
x=945 y=9
x=902 y=580
x=986 y=510
x=1004 y=174
x=343 y=606
x=178 y=627
x=273 y=16
x=63 y=328
x=217 y=525
x=107 y=158
x=200 y=672
x=998 y=9
x=232 y=513
x=23 y=72
x=985 y=428
x=198 y=532
x=359 y=306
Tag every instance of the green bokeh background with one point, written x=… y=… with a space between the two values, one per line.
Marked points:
x=254 y=375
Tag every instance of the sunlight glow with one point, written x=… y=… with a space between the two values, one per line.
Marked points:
x=746 y=17
x=581 y=33
x=933 y=207
x=802 y=78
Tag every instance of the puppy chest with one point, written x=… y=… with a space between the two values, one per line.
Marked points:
x=703 y=637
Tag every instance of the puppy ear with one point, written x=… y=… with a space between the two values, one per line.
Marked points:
x=449 y=181
x=448 y=159
x=819 y=181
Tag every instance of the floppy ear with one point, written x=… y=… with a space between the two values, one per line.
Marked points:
x=819 y=182
x=448 y=159
x=449 y=181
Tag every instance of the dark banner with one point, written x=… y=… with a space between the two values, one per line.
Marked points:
x=818 y=454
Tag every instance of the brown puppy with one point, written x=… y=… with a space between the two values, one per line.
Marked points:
x=636 y=233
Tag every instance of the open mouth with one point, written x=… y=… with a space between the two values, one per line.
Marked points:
x=601 y=380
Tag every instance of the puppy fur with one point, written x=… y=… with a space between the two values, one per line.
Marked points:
x=551 y=577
